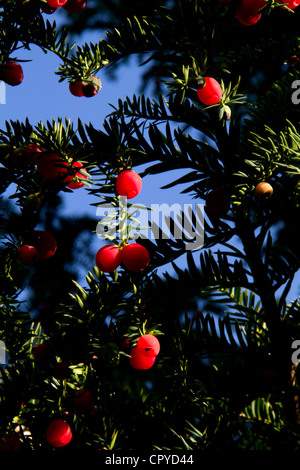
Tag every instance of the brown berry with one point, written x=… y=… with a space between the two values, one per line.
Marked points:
x=263 y=190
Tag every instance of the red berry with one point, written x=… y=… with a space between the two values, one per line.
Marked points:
x=291 y=4
x=135 y=257
x=140 y=361
x=108 y=258
x=59 y=433
x=217 y=202
x=45 y=244
x=245 y=18
x=75 y=6
x=12 y=73
x=40 y=352
x=148 y=345
x=56 y=3
x=128 y=184
x=76 y=88
x=71 y=179
x=32 y=152
x=84 y=400
x=211 y=93
x=61 y=371
x=28 y=255
x=49 y=165
x=251 y=7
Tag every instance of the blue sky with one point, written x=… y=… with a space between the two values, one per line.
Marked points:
x=40 y=98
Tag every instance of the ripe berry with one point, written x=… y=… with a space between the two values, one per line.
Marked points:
x=245 y=18
x=28 y=255
x=128 y=184
x=140 y=361
x=76 y=88
x=108 y=258
x=75 y=6
x=59 y=433
x=291 y=4
x=45 y=244
x=12 y=73
x=148 y=345
x=251 y=7
x=49 y=166
x=56 y=3
x=84 y=400
x=263 y=190
x=73 y=180
x=32 y=152
x=135 y=257
x=210 y=93
x=217 y=202
x=91 y=86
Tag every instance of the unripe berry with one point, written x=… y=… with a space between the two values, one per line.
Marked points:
x=59 y=433
x=135 y=257
x=148 y=345
x=108 y=258
x=128 y=184
x=210 y=93
x=140 y=361
x=12 y=73
x=75 y=88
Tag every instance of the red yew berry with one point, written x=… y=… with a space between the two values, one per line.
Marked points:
x=49 y=165
x=251 y=7
x=27 y=255
x=91 y=86
x=56 y=3
x=75 y=6
x=148 y=345
x=140 y=361
x=135 y=257
x=45 y=244
x=73 y=180
x=128 y=184
x=32 y=152
x=108 y=258
x=84 y=400
x=211 y=92
x=245 y=18
x=217 y=202
x=12 y=73
x=292 y=4
x=75 y=88
x=40 y=352
x=59 y=433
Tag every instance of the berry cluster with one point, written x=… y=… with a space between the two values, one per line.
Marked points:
x=134 y=256
x=143 y=355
